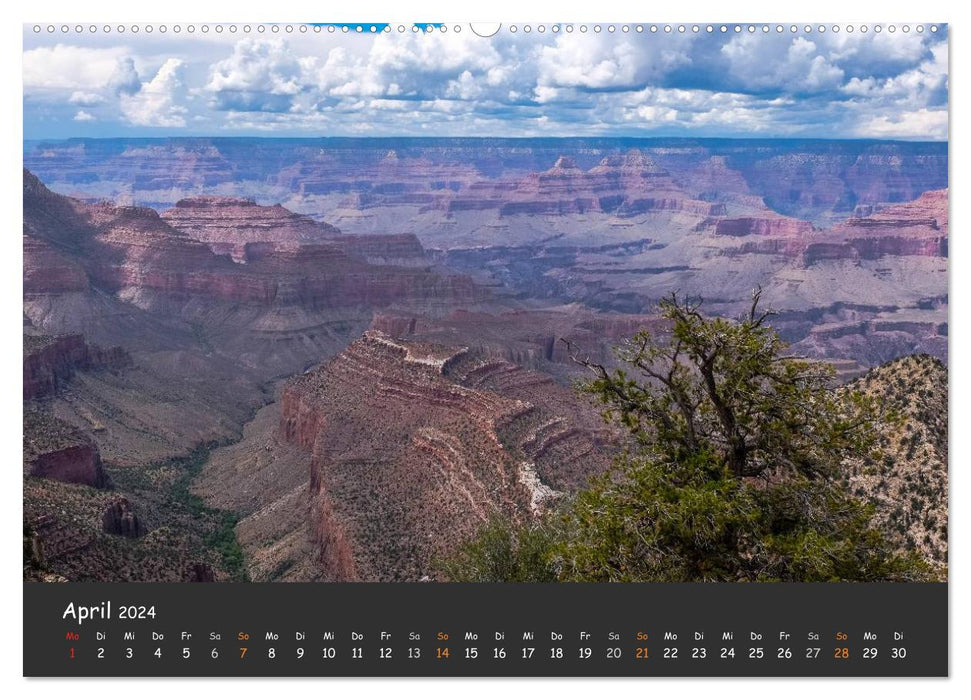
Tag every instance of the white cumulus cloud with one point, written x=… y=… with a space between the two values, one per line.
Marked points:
x=413 y=67
x=596 y=61
x=259 y=75
x=124 y=79
x=921 y=124
x=821 y=85
x=70 y=67
x=924 y=84
x=85 y=99
x=759 y=62
x=158 y=102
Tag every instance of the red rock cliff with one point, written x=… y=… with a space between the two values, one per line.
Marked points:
x=55 y=450
x=132 y=252
x=50 y=361
x=417 y=444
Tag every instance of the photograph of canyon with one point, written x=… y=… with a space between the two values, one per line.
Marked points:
x=309 y=306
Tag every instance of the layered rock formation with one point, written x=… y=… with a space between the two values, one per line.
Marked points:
x=51 y=361
x=917 y=228
x=48 y=270
x=454 y=405
x=817 y=180
x=606 y=225
x=623 y=185
x=532 y=339
x=634 y=184
x=386 y=174
x=835 y=180
x=227 y=224
x=914 y=228
x=389 y=250
x=762 y=226
x=434 y=463
x=134 y=254
x=462 y=436
x=123 y=275
x=56 y=450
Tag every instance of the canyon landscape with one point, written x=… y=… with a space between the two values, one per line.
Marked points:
x=338 y=359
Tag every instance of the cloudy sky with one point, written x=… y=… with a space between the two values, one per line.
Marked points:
x=318 y=83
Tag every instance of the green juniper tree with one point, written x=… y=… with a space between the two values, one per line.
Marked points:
x=734 y=473
x=504 y=553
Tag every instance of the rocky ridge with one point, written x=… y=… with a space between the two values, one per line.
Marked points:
x=134 y=254
x=908 y=482
x=462 y=436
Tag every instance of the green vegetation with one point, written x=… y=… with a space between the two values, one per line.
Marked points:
x=167 y=486
x=223 y=540
x=504 y=553
x=222 y=534
x=734 y=472
x=188 y=469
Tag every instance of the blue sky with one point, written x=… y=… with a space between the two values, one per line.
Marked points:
x=318 y=83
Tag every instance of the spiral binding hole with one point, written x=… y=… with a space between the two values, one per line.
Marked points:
x=511 y=28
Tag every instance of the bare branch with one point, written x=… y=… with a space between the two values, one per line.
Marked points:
x=756 y=296
x=573 y=353
x=754 y=317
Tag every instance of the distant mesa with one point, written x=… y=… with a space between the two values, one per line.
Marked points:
x=227 y=224
x=917 y=228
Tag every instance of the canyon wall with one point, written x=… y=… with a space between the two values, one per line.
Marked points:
x=809 y=179
x=51 y=361
x=381 y=323
x=461 y=437
x=275 y=257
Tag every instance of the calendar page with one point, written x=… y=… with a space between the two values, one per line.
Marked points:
x=449 y=349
